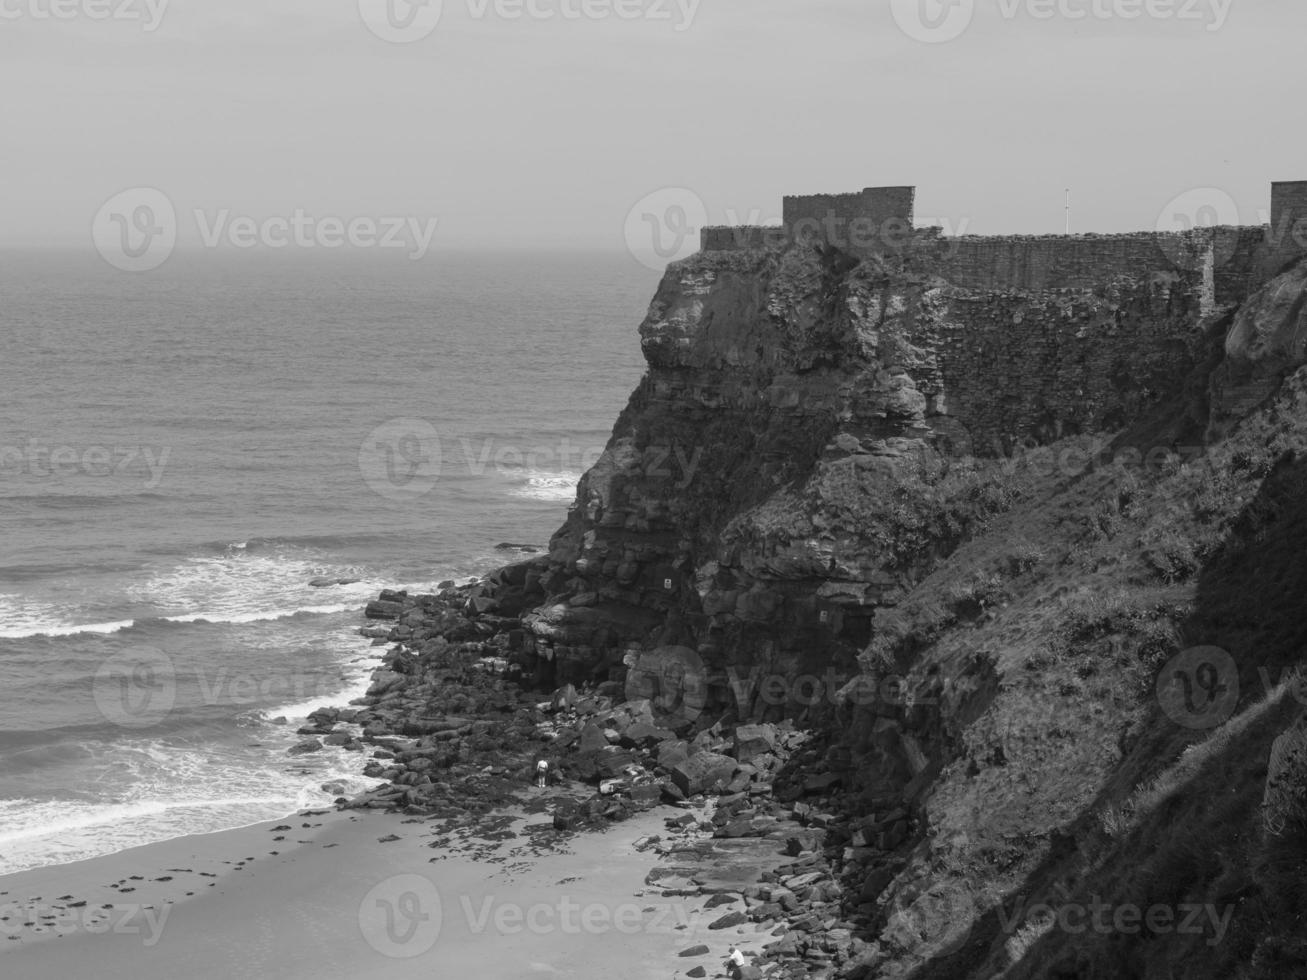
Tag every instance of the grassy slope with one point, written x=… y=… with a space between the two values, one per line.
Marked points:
x=1074 y=785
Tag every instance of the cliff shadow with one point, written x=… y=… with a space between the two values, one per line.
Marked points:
x=1180 y=827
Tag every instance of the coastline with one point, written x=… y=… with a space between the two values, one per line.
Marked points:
x=469 y=869
x=359 y=895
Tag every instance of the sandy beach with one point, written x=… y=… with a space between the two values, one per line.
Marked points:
x=363 y=894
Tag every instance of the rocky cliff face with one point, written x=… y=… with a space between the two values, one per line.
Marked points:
x=1267 y=342
x=827 y=502
x=785 y=467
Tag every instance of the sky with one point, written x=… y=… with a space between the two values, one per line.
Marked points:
x=591 y=123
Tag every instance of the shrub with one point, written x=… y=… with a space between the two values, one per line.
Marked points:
x=1024 y=557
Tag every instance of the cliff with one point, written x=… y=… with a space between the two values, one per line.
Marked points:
x=959 y=531
x=992 y=587
x=809 y=441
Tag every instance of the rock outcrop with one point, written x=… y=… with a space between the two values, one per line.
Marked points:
x=1267 y=342
x=772 y=588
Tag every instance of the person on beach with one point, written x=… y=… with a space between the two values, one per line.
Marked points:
x=734 y=962
x=542 y=773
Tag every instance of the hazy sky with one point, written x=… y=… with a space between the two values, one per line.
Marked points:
x=512 y=127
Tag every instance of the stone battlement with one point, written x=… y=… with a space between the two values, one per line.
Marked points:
x=879 y=220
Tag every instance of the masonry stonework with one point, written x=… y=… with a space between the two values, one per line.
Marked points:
x=1288 y=233
x=874 y=219
x=1232 y=261
x=1010 y=338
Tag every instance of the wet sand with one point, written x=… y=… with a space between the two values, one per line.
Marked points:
x=333 y=896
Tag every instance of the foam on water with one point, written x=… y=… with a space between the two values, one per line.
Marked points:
x=259 y=617
x=262 y=493
x=236 y=587
x=360 y=679
x=40 y=833
x=155 y=791
x=243 y=587
x=548 y=486
x=18 y=627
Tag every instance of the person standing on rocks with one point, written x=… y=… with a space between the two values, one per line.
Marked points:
x=734 y=962
x=542 y=773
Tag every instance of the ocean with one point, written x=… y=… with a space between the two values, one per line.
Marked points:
x=183 y=452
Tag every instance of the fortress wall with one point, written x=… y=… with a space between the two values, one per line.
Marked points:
x=1240 y=255
x=1288 y=234
x=1037 y=263
x=1040 y=363
x=1020 y=366
x=1230 y=261
x=731 y=238
x=874 y=219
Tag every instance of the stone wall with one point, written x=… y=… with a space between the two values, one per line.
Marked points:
x=874 y=219
x=1288 y=234
x=1020 y=367
x=730 y=238
x=1224 y=256
x=1231 y=261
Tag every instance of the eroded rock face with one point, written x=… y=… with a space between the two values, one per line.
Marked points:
x=1267 y=342
x=751 y=506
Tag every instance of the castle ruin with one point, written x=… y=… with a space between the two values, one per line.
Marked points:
x=1232 y=260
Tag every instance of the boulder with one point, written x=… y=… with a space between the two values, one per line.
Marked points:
x=643 y=735
x=1267 y=341
x=672 y=752
x=378 y=609
x=564 y=697
x=567 y=817
x=729 y=921
x=703 y=773
x=592 y=739
x=752 y=741
x=613 y=762
x=384 y=681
